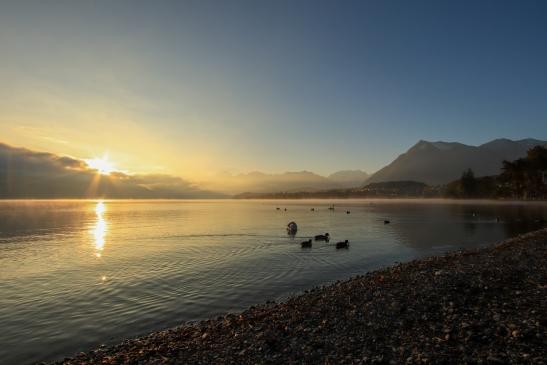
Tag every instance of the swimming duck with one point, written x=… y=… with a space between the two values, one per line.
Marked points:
x=322 y=237
x=306 y=244
x=342 y=244
x=387 y=222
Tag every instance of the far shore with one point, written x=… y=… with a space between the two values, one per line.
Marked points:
x=394 y=199
x=478 y=306
x=322 y=199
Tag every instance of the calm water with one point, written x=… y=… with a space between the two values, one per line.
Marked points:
x=75 y=274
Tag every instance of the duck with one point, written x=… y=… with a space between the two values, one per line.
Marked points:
x=342 y=244
x=331 y=207
x=306 y=244
x=312 y=209
x=387 y=222
x=322 y=237
x=277 y=208
x=348 y=212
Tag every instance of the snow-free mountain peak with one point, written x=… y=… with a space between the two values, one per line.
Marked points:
x=441 y=162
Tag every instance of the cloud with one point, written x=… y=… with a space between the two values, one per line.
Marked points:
x=30 y=174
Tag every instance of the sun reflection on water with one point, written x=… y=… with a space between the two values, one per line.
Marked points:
x=99 y=229
x=100 y=208
x=99 y=232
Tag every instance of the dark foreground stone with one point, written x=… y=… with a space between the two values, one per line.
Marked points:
x=482 y=306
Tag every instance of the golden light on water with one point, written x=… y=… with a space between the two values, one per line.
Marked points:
x=99 y=232
x=99 y=229
x=100 y=208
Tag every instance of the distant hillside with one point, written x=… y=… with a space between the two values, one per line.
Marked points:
x=293 y=181
x=390 y=189
x=399 y=187
x=349 y=178
x=441 y=162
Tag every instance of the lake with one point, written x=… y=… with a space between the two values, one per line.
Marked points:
x=77 y=274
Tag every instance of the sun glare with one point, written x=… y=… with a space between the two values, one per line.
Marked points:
x=102 y=165
x=99 y=230
x=100 y=208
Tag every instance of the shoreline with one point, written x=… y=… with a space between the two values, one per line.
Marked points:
x=484 y=305
x=335 y=199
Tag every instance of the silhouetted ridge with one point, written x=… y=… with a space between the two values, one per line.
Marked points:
x=441 y=162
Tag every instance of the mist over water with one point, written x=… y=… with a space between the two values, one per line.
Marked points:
x=75 y=274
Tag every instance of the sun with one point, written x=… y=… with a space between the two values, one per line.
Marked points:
x=102 y=165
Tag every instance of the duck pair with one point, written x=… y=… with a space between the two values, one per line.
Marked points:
x=342 y=244
x=321 y=237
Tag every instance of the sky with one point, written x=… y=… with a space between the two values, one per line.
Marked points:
x=195 y=88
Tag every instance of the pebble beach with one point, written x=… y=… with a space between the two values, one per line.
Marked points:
x=480 y=306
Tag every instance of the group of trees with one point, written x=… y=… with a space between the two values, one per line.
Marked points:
x=525 y=178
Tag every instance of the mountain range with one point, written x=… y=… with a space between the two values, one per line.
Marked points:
x=259 y=182
x=437 y=163
x=433 y=163
x=30 y=174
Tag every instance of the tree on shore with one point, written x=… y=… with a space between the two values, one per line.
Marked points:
x=514 y=178
x=469 y=184
x=523 y=178
x=520 y=179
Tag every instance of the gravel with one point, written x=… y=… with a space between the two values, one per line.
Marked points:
x=485 y=306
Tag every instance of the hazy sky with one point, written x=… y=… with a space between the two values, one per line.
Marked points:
x=196 y=87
